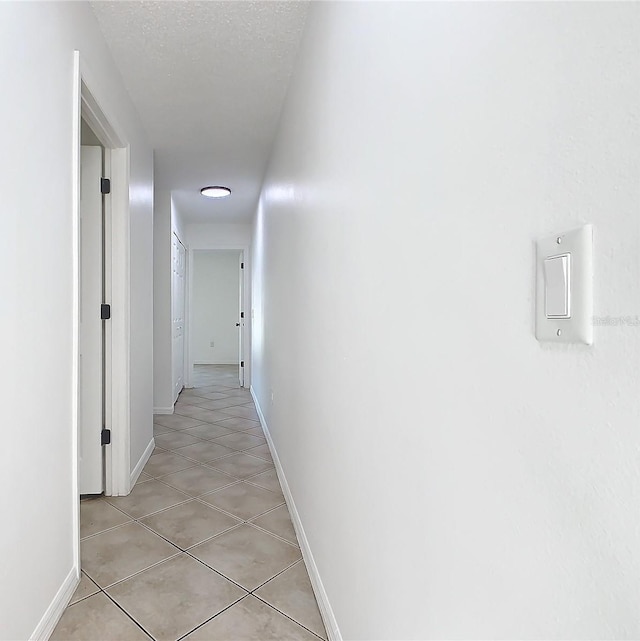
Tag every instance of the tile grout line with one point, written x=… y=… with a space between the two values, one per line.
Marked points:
x=200 y=498
x=272 y=533
x=192 y=459
x=133 y=518
x=284 y=613
x=275 y=576
x=173 y=556
x=187 y=550
x=222 y=487
x=137 y=572
x=128 y=615
x=210 y=465
x=102 y=591
x=224 y=576
x=108 y=529
x=194 y=498
x=213 y=459
x=189 y=499
x=214 y=616
x=203 y=422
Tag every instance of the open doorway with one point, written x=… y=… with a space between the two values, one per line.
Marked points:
x=92 y=362
x=101 y=306
x=216 y=318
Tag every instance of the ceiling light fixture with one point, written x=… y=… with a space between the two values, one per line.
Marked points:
x=215 y=191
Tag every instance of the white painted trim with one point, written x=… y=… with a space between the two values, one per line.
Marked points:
x=188 y=351
x=326 y=611
x=56 y=608
x=108 y=327
x=101 y=122
x=120 y=326
x=163 y=410
x=243 y=370
x=146 y=455
x=187 y=370
x=75 y=332
x=91 y=108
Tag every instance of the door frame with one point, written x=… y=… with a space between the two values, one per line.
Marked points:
x=246 y=295
x=117 y=284
x=242 y=319
x=91 y=382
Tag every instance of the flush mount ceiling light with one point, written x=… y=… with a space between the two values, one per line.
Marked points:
x=215 y=191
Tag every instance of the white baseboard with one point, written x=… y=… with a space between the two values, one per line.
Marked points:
x=137 y=470
x=163 y=410
x=326 y=612
x=47 y=624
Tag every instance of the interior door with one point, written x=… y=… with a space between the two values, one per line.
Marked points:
x=178 y=261
x=241 y=320
x=91 y=339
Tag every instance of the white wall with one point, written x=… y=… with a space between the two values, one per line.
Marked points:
x=456 y=478
x=141 y=298
x=215 y=299
x=167 y=220
x=218 y=236
x=37 y=41
x=162 y=345
x=227 y=236
x=178 y=226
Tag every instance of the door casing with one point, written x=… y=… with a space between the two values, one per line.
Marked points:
x=245 y=303
x=91 y=367
x=117 y=289
x=241 y=319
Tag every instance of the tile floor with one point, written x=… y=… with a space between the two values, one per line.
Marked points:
x=204 y=375
x=203 y=548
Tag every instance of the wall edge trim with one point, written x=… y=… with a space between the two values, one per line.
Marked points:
x=146 y=455
x=56 y=608
x=163 y=410
x=326 y=611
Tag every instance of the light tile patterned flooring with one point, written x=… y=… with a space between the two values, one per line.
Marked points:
x=203 y=548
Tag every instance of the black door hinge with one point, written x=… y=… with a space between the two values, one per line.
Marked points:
x=241 y=314
x=105 y=437
x=105 y=311
x=241 y=265
x=241 y=363
x=105 y=186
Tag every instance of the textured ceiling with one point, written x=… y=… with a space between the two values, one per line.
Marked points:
x=209 y=80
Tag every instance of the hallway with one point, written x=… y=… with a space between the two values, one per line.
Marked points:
x=203 y=548
x=395 y=179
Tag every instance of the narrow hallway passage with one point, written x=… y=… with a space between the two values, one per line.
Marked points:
x=203 y=548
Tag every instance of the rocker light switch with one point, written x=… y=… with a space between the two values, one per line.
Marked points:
x=557 y=279
x=564 y=291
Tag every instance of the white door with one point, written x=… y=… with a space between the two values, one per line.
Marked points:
x=241 y=323
x=178 y=258
x=91 y=359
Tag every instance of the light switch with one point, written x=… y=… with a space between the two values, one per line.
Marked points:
x=557 y=282
x=564 y=287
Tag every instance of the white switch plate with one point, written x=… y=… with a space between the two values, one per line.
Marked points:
x=578 y=328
